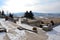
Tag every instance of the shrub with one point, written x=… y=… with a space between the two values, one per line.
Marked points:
x=41 y=26
x=52 y=22
x=34 y=29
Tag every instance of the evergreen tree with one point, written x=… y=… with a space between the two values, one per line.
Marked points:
x=11 y=15
x=26 y=14
x=2 y=13
x=29 y=15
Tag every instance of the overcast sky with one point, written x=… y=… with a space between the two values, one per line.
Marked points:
x=42 y=6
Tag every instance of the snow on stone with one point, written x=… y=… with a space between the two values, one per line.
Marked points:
x=26 y=26
x=57 y=28
x=2 y=35
x=14 y=34
x=54 y=34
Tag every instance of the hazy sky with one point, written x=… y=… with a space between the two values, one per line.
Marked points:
x=44 y=6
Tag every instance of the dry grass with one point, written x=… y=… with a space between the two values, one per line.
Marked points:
x=55 y=20
x=38 y=21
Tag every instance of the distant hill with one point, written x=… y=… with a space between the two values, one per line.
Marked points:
x=39 y=14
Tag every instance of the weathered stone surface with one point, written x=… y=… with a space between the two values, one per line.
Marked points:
x=36 y=36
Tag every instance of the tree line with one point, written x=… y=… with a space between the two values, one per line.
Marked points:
x=27 y=14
